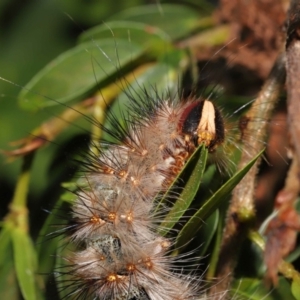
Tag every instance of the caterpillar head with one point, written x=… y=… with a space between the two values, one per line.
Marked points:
x=202 y=122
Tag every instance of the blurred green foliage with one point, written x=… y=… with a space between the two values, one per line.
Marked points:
x=31 y=34
x=86 y=58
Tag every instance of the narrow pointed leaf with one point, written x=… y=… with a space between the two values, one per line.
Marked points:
x=189 y=192
x=214 y=256
x=207 y=232
x=195 y=222
x=25 y=262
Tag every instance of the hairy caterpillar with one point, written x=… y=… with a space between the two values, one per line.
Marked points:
x=114 y=215
x=109 y=244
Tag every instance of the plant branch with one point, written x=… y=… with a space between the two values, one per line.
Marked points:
x=293 y=73
x=241 y=212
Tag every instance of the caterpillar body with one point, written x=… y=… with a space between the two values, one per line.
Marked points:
x=123 y=257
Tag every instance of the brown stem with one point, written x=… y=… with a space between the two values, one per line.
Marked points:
x=241 y=211
x=293 y=73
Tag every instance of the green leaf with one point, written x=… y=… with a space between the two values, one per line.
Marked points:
x=296 y=287
x=250 y=289
x=49 y=236
x=61 y=263
x=5 y=240
x=195 y=222
x=207 y=231
x=7 y=274
x=198 y=159
x=25 y=262
x=140 y=33
x=78 y=72
x=176 y=20
x=214 y=256
x=255 y=289
x=68 y=197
